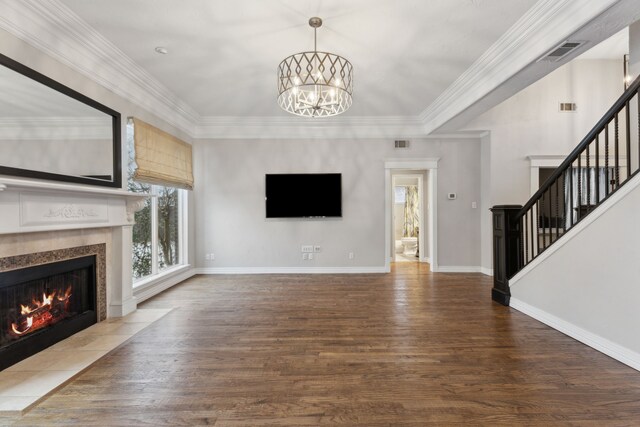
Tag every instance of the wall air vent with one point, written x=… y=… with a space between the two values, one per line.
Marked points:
x=559 y=52
x=402 y=143
x=567 y=107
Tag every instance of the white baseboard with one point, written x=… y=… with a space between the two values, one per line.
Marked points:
x=459 y=269
x=486 y=271
x=617 y=352
x=291 y=270
x=152 y=288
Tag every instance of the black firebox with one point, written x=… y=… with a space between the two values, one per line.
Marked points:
x=44 y=304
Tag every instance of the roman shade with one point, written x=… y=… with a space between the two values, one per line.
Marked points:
x=161 y=158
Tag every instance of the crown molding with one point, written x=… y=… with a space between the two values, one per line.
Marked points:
x=309 y=128
x=53 y=28
x=546 y=24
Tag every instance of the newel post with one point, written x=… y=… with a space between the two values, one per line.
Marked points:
x=506 y=250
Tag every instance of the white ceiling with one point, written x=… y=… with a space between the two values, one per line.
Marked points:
x=223 y=54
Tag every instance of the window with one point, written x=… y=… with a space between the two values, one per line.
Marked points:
x=158 y=230
x=400 y=194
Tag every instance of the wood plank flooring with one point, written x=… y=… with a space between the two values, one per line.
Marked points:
x=408 y=348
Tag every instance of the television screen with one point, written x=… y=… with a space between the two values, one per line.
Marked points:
x=304 y=195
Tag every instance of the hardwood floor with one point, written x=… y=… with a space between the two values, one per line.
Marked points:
x=406 y=348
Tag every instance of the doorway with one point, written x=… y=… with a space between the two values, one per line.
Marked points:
x=407 y=212
x=403 y=173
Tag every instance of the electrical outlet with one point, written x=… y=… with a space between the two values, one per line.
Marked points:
x=351 y=255
x=316 y=249
x=213 y=256
x=207 y=257
x=305 y=256
x=310 y=256
x=307 y=248
x=474 y=205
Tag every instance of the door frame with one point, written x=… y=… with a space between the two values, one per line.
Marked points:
x=430 y=165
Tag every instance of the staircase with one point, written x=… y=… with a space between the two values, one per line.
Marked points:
x=570 y=256
x=604 y=162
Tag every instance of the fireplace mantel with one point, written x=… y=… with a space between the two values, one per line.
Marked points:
x=32 y=206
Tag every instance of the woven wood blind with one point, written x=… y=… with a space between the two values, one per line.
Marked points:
x=161 y=158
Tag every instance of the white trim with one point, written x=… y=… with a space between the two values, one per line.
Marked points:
x=460 y=269
x=611 y=349
x=573 y=231
x=546 y=24
x=421 y=164
x=151 y=286
x=486 y=271
x=408 y=164
x=291 y=270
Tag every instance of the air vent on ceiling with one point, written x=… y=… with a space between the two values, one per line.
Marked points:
x=567 y=106
x=559 y=52
x=402 y=143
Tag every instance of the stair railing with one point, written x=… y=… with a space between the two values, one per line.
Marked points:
x=606 y=159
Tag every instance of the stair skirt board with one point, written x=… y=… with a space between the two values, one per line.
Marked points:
x=613 y=350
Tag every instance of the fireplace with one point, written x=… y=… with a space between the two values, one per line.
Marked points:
x=43 y=304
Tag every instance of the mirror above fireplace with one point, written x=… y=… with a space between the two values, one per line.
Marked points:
x=49 y=131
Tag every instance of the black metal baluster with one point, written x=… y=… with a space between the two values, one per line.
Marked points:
x=616 y=148
x=597 y=172
x=606 y=160
x=538 y=226
x=533 y=243
x=549 y=208
x=628 y=130
x=525 y=230
x=564 y=204
x=579 y=210
x=557 y=211
x=588 y=180
x=571 y=195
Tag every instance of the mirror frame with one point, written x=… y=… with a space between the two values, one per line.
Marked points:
x=116 y=128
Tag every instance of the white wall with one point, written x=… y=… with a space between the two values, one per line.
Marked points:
x=230 y=212
x=530 y=123
x=597 y=298
x=634 y=49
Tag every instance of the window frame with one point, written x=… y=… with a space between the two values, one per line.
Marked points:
x=156 y=272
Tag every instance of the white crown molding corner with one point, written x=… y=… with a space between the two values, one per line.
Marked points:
x=546 y=24
x=291 y=270
x=611 y=349
x=53 y=28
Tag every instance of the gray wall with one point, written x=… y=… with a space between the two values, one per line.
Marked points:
x=230 y=206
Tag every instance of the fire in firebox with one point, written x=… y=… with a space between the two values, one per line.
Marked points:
x=52 y=308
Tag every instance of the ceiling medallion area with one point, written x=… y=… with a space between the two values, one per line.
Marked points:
x=315 y=84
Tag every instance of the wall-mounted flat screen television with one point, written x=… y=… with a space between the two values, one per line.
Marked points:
x=304 y=195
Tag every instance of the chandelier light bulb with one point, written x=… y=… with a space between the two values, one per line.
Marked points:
x=315 y=83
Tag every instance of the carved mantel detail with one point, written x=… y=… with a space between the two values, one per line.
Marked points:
x=135 y=205
x=70 y=211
